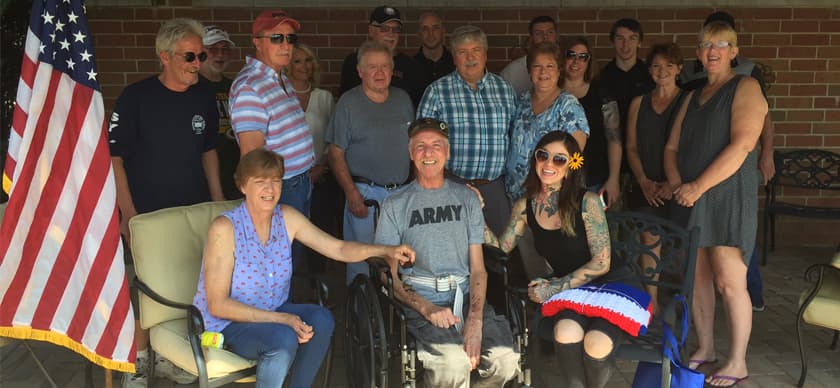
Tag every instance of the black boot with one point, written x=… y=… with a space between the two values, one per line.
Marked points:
x=598 y=371
x=570 y=358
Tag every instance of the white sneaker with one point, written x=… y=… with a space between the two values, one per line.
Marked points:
x=165 y=368
x=138 y=379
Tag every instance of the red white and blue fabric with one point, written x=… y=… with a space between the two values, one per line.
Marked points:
x=62 y=277
x=625 y=306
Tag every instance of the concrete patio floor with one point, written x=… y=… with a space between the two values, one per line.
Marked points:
x=773 y=358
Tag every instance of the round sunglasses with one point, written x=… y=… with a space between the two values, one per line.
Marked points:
x=190 y=56
x=559 y=160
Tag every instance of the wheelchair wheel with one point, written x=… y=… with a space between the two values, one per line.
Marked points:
x=367 y=365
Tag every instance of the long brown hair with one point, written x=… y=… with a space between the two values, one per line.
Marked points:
x=571 y=190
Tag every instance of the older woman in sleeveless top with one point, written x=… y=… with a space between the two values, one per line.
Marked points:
x=243 y=288
x=710 y=163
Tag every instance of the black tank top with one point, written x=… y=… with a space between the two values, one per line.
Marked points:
x=564 y=253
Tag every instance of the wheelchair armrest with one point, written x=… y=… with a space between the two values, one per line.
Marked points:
x=378 y=265
x=495 y=259
x=195 y=321
x=321 y=288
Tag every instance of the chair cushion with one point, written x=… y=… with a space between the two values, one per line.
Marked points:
x=825 y=307
x=170 y=340
x=167 y=246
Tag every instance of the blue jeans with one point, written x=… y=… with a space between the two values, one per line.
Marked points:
x=754 y=286
x=276 y=349
x=297 y=193
x=362 y=229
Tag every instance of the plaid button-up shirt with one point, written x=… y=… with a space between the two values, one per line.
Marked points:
x=478 y=120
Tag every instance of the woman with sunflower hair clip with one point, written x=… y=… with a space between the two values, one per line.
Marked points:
x=570 y=231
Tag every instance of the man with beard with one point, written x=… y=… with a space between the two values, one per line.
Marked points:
x=218 y=46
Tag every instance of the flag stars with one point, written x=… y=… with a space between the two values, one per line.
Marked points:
x=71 y=64
x=91 y=75
x=59 y=26
x=48 y=19
x=52 y=37
x=41 y=48
x=65 y=45
x=80 y=37
x=72 y=17
x=85 y=56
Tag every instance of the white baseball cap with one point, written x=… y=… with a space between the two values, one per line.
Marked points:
x=213 y=35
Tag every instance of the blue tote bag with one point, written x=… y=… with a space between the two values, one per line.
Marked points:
x=649 y=374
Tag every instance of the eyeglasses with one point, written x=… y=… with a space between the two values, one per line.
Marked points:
x=719 y=44
x=190 y=56
x=386 y=29
x=559 y=160
x=549 y=67
x=584 y=57
x=280 y=38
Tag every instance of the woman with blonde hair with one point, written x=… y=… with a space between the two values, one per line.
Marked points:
x=711 y=165
x=304 y=72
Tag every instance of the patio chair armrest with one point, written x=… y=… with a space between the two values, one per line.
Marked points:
x=195 y=323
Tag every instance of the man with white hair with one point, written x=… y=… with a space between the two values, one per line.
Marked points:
x=367 y=137
x=162 y=138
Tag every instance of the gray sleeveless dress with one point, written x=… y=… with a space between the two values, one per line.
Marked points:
x=727 y=214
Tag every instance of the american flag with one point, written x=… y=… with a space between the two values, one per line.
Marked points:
x=62 y=277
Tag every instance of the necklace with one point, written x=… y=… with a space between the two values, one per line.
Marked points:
x=307 y=90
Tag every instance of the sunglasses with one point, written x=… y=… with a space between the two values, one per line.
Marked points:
x=584 y=57
x=190 y=56
x=719 y=44
x=542 y=155
x=386 y=29
x=280 y=38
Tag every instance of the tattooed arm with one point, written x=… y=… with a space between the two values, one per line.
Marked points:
x=598 y=237
x=514 y=230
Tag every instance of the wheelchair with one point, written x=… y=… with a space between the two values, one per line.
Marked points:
x=375 y=325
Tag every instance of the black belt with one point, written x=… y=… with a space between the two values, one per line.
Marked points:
x=471 y=182
x=365 y=181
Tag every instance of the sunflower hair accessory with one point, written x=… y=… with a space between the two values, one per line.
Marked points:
x=576 y=161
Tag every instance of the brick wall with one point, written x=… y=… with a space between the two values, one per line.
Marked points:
x=800 y=45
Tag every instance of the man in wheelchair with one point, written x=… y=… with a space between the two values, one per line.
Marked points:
x=456 y=331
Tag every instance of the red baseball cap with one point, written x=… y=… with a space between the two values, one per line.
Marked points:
x=269 y=19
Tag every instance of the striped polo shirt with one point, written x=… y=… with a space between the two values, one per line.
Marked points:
x=259 y=103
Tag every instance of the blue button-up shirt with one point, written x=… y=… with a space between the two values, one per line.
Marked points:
x=478 y=121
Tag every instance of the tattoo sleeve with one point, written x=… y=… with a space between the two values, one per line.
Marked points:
x=514 y=231
x=598 y=237
x=613 y=135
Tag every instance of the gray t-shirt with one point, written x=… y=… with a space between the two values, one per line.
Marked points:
x=374 y=136
x=440 y=224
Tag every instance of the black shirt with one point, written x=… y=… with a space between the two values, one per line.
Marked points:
x=226 y=147
x=623 y=86
x=161 y=136
x=433 y=70
x=408 y=76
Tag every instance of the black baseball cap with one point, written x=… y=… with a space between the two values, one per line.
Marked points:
x=384 y=14
x=424 y=124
